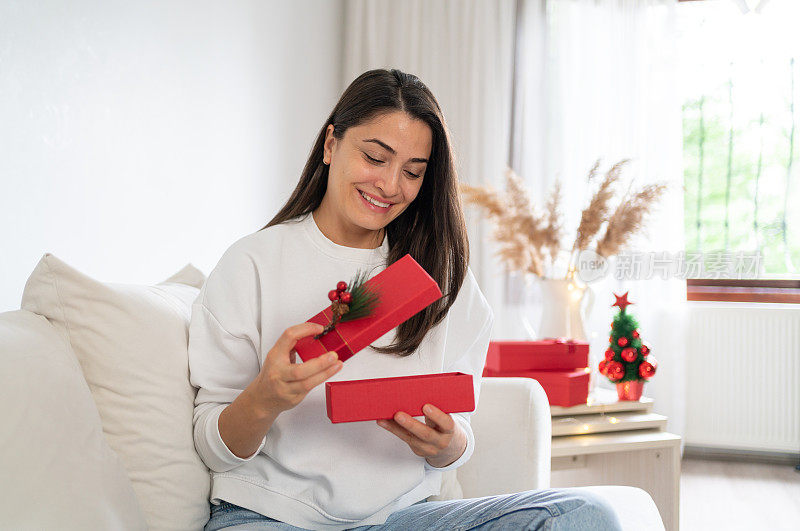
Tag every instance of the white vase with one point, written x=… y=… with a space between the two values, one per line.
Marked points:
x=564 y=305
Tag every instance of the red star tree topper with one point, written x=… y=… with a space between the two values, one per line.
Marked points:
x=627 y=358
x=622 y=301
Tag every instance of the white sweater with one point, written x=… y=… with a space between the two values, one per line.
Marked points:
x=309 y=472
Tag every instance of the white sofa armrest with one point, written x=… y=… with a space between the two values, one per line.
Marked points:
x=512 y=430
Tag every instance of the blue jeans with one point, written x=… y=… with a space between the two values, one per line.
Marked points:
x=550 y=509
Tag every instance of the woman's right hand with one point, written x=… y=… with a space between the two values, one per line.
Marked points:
x=282 y=384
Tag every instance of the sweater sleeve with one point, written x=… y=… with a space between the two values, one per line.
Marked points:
x=223 y=352
x=467 y=342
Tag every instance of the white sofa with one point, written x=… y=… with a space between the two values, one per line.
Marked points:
x=97 y=406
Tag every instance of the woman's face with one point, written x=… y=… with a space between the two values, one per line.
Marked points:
x=384 y=159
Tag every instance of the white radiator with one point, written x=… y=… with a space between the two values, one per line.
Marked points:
x=743 y=376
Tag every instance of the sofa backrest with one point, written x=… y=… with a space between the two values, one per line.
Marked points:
x=58 y=471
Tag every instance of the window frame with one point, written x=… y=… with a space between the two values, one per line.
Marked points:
x=781 y=291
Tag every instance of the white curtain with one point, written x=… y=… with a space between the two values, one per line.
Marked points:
x=597 y=79
x=463 y=51
x=566 y=82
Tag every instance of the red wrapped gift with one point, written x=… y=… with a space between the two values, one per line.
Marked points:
x=563 y=388
x=404 y=288
x=546 y=354
x=381 y=398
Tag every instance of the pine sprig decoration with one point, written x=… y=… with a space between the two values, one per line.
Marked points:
x=358 y=302
x=364 y=298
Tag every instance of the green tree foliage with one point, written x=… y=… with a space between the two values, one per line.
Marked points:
x=624 y=325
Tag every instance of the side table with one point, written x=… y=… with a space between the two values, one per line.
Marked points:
x=612 y=442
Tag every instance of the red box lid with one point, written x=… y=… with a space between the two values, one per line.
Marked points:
x=546 y=354
x=381 y=398
x=404 y=289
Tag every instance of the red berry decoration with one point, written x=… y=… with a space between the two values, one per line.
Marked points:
x=647 y=370
x=635 y=334
x=645 y=350
x=623 y=341
x=360 y=301
x=628 y=354
x=609 y=354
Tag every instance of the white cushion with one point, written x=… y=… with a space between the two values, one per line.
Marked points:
x=635 y=509
x=58 y=472
x=131 y=342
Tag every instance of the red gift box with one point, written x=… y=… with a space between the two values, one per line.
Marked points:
x=547 y=354
x=381 y=398
x=403 y=288
x=563 y=388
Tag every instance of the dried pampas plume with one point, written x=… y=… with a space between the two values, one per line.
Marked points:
x=554 y=231
x=486 y=198
x=628 y=218
x=523 y=216
x=520 y=230
x=525 y=234
x=595 y=214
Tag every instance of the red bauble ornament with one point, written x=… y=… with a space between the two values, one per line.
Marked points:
x=609 y=354
x=333 y=295
x=346 y=297
x=646 y=370
x=602 y=367
x=341 y=285
x=610 y=339
x=615 y=370
x=623 y=341
x=645 y=350
x=635 y=334
x=628 y=354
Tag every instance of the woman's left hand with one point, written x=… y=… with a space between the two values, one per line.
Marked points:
x=440 y=440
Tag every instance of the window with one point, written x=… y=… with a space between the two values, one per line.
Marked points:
x=740 y=83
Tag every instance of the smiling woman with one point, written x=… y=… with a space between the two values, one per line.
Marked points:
x=380 y=183
x=383 y=166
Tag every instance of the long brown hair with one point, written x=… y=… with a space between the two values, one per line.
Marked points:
x=432 y=228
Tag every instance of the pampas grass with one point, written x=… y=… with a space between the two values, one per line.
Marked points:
x=526 y=234
x=628 y=218
x=554 y=232
x=596 y=213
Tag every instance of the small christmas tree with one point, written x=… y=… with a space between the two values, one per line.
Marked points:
x=627 y=358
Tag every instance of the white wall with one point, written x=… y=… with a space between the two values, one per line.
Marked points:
x=138 y=136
